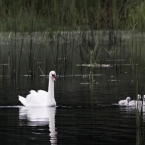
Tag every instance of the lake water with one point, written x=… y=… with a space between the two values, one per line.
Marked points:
x=87 y=110
x=85 y=114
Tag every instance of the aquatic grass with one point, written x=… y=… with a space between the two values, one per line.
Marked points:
x=63 y=45
x=138 y=127
x=137 y=70
x=135 y=58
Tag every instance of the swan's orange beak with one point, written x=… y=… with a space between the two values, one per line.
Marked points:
x=54 y=77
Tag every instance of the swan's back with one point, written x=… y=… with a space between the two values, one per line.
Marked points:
x=132 y=103
x=37 y=98
x=40 y=98
x=137 y=102
x=124 y=102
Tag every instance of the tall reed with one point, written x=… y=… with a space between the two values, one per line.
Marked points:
x=43 y=15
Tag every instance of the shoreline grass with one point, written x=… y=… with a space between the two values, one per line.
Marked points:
x=53 y=15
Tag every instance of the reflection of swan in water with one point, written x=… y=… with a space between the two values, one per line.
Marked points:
x=40 y=116
x=127 y=109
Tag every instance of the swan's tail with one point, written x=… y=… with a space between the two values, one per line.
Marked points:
x=22 y=100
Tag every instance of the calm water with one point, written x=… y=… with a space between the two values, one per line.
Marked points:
x=85 y=114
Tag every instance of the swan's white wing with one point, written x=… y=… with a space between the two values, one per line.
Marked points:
x=33 y=99
x=132 y=103
x=22 y=100
x=122 y=102
x=42 y=93
x=45 y=96
x=37 y=98
x=135 y=103
x=30 y=100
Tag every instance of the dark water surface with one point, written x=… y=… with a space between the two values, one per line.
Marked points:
x=85 y=114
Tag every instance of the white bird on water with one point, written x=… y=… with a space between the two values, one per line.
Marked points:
x=137 y=102
x=124 y=102
x=41 y=97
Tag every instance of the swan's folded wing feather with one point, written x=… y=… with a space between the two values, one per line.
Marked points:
x=122 y=102
x=132 y=103
x=36 y=98
x=33 y=98
x=42 y=93
x=32 y=92
x=22 y=100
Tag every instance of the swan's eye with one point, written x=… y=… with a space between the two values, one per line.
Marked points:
x=53 y=75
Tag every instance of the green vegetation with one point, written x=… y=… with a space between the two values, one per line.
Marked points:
x=54 y=15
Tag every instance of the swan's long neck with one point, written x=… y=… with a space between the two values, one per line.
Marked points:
x=51 y=87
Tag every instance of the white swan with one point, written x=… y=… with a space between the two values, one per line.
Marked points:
x=124 y=102
x=136 y=102
x=41 y=98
